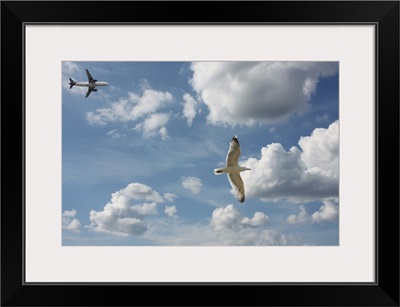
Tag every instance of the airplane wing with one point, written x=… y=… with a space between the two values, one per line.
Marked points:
x=91 y=80
x=90 y=89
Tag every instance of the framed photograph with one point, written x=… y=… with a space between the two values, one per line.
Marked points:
x=126 y=114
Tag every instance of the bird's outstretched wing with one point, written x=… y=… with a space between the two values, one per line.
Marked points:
x=91 y=80
x=237 y=184
x=233 y=153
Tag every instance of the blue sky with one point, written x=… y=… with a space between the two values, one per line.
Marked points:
x=138 y=155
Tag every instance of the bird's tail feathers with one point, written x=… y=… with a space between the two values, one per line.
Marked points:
x=218 y=171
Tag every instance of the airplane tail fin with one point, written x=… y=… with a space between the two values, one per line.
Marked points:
x=71 y=83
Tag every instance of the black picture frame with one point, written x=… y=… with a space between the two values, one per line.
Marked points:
x=383 y=14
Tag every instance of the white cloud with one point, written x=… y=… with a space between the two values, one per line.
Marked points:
x=188 y=235
x=70 y=70
x=73 y=225
x=229 y=218
x=153 y=125
x=137 y=191
x=189 y=108
x=125 y=213
x=163 y=132
x=321 y=149
x=226 y=227
x=309 y=86
x=328 y=212
x=192 y=183
x=70 y=213
x=144 y=209
x=130 y=108
x=114 y=134
x=256 y=92
x=170 y=197
x=302 y=217
x=246 y=237
x=259 y=219
x=226 y=218
x=69 y=223
x=322 y=118
x=170 y=211
x=297 y=175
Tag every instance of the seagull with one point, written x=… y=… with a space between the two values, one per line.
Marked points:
x=233 y=169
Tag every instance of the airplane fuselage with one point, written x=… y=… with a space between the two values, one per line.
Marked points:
x=91 y=84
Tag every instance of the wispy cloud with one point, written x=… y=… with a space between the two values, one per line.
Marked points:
x=226 y=227
x=193 y=184
x=68 y=221
x=190 y=106
x=71 y=70
x=130 y=108
x=154 y=125
x=115 y=134
x=170 y=197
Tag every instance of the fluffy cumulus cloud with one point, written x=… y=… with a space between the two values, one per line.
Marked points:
x=328 y=212
x=189 y=108
x=193 y=184
x=68 y=221
x=170 y=211
x=154 y=125
x=69 y=213
x=301 y=218
x=130 y=108
x=321 y=150
x=259 y=219
x=125 y=213
x=256 y=92
x=229 y=218
x=305 y=174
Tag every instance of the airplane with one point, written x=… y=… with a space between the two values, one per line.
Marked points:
x=91 y=84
